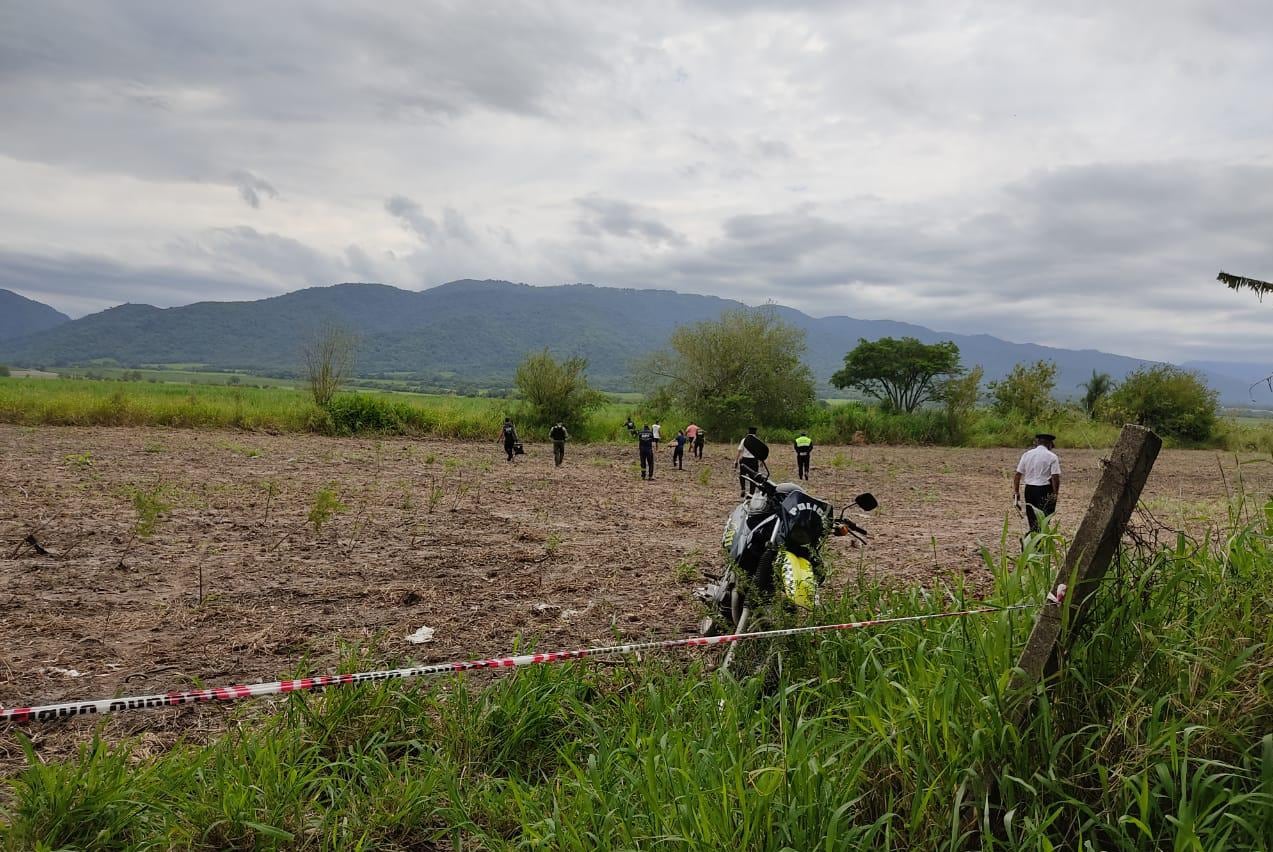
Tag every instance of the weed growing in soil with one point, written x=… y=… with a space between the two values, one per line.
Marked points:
x=704 y=476
x=326 y=505
x=80 y=460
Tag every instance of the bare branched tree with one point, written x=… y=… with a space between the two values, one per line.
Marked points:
x=328 y=356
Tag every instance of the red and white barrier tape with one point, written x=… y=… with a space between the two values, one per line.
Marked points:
x=278 y=687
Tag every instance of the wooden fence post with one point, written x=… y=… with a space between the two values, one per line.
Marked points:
x=1091 y=550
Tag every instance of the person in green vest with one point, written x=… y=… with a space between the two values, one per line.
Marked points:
x=804 y=449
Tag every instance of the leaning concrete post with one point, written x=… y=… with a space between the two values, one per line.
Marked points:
x=1093 y=547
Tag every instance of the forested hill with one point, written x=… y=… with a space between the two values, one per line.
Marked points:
x=475 y=332
x=21 y=316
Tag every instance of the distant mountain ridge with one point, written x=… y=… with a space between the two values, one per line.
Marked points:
x=20 y=316
x=475 y=333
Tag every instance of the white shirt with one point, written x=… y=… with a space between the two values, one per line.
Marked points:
x=1038 y=466
x=742 y=447
x=655 y=429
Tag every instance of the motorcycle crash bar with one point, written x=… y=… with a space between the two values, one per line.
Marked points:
x=175 y=698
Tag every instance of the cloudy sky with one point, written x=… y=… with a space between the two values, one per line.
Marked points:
x=1071 y=173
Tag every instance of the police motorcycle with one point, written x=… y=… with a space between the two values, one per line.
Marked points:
x=773 y=549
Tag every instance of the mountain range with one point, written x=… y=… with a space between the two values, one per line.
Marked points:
x=473 y=333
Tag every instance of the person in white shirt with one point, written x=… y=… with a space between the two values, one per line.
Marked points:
x=657 y=430
x=1040 y=470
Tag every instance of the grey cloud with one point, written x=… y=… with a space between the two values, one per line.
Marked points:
x=623 y=219
x=412 y=217
x=251 y=187
x=81 y=283
x=456 y=227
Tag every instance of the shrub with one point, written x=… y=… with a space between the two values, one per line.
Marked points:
x=1026 y=391
x=1173 y=402
x=556 y=391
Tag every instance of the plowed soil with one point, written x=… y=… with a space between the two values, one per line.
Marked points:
x=491 y=555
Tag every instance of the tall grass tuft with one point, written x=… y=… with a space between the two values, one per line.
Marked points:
x=1159 y=735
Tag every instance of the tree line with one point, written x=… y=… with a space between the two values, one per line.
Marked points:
x=747 y=368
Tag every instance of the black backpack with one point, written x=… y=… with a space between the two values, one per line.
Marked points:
x=509 y=432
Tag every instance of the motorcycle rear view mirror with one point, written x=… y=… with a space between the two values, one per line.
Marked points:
x=756 y=447
x=866 y=502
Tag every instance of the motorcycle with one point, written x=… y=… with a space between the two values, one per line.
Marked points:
x=773 y=548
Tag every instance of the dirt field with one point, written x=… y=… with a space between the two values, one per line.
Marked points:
x=560 y=558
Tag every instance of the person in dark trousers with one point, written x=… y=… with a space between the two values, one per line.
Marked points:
x=645 y=443
x=1040 y=470
x=700 y=438
x=630 y=426
x=804 y=451
x=509 y=434
x=559 y=435
x=678 y=452
x=747 y=465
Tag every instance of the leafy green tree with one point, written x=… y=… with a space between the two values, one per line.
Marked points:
x=1026 y=390
x=556 y=390
x=1095 y=389
x=959 y=396
x=1171 y=401
x=902 y=373
x=742 y=369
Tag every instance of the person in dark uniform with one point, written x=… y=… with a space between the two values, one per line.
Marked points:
x=645 y=444
x=630 y=426
x=700 y=438
x=558 y=434
x=509 y=433
x=747 y=465
x=1040 y=470
x=678 y=452
x=804 y=451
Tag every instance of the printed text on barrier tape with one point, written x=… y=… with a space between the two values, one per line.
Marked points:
x=278 y=687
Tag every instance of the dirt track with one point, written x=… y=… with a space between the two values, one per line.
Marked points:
x=557 y=557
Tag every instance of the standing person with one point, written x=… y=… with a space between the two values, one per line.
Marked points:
x=804 y=450
x=747 y=465
x=657 y=430
x=691 y=432
x=509 y=434
x=645 y=444
x=630 y=426
x=1040 y=469
x=678 y=452
x=700 y=438
x=558 y=434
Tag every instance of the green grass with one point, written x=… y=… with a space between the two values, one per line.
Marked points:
x=82 y=402
x=1159 y=735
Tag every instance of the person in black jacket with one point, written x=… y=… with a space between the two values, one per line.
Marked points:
x=509 y=433
x=645 y=443
x=678 y=452
x=558 y=434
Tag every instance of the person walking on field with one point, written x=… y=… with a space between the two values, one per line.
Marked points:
x=747 y=465
x=1040 y=470
x=691 y=432
x=700 y=438
x=559 y=435
x=658 y=432
x=645 y=444
x=804 y=450
x=678 y=452
x=630 y=426
x=509 y=434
